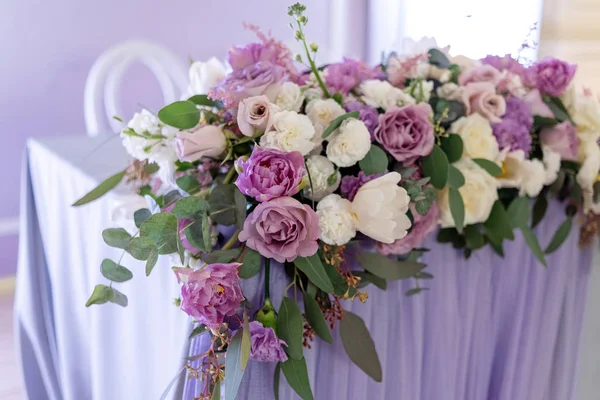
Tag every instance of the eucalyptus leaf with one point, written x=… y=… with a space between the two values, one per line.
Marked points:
x=387 y=268
x=289 y=327
x=315 y=318
x=245 y=342
x=222 y=200
x=180 y=114
x=296 y=374
x=438 y=59
x=141 y=247
x=561 y=234
x=452 y=146
x=100 y=190
x=194 y=233
x=206 y=237
x=315 y=271
x=115 y=272
x=140 y=216
x=435 y=166
x=116 y=237
x=101 y=294
x=457 y=208
x=222 y=256
x=204 y=100
x=190 y=207
x=251 y=264
x=119 y=298
x=489 y=166
x=359 y=345
x=162 y=229
x=188 y=183
x=152 y=260
x=375 y=162
x=233 y=366
x=335 y=124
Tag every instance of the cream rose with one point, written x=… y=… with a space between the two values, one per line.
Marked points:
x=379 y=209
x=477 y=136
x=479 y=194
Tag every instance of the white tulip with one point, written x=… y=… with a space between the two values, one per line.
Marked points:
x=381 y=94
x=204 y=75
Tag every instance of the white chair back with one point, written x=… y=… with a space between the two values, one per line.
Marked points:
x=101 y=89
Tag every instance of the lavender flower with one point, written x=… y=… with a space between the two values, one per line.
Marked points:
x=351 y=184
x=552 y=76
x=345 y=76
x=266 y=346
x=368 y=115
x=513 y=130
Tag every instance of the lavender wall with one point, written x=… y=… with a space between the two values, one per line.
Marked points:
x=48 y=48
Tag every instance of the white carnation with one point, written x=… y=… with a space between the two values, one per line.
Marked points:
x=289 y=131
x=146 y=138
x=335 y=220
x=320 y=170
x=450 y=91
x=421 y=91
x=322 y=112
x=382 y=94
x=290 y=97
x=350 y=144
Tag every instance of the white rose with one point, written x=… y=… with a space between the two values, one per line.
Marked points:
x=289 y=131
x=205 y=75
x=141 y=142
x=551 y=163
x=321 y=113
x=380 y=208
x=382 y=94
x=290 y=97
x=335 y=220
x=123 y=207
x=477 y=136
x=320 y=170
x=450 y=91
x=350 y=144
x=587 y=175
x=479 y=194
x=534 y=177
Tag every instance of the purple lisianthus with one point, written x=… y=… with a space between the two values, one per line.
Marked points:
x=270 y=173
x=266 y=346
x=350 y=184
x=505 y=63
x=367 y=114
x=513 y=130
x=406 y=132
x=422 y=228
x=562 y=139
x=282 y=229
x=346 y=75
x=552 y=76
x=210 y=294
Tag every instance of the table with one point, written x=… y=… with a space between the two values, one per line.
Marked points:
x=487 y=328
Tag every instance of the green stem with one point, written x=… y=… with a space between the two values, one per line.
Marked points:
x=229 y=175
x=232 y=240
x=267 y=278
x=312 y=191
x=313 y=66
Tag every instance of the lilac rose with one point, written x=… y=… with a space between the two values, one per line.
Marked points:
x=561 y=139
x=346 y=75
x=270 y=173
x=266 y=346
x=552 y=76
x=423 y=226
x=282 y=229
x=240 y=57
x=482 y=73
x=481 y=98
x=367 y=114
x=210 y=294
x=406 y=132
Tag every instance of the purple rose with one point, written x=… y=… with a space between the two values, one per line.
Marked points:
x=422 y=228
x=270 y=173
x=262 y=78
x=552 y=76
x=483 y=73
x=406 y=132
x=346 y=75
x=367 y=114
x=562 y=139
x=351 y=184
x=210 y=294
x=266 y=346
x=240 y=57
x=505 y=63
x=282 y=229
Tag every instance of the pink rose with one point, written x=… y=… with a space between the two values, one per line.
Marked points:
x=406 y=132
x=482 y=73
x=206 y=141
x=561 y=139
x=282 y=229
x=210 y=294
x=538 y=107
x=253 y=114
x=481 y=98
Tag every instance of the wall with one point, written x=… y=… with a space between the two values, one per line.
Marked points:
x=48 y=48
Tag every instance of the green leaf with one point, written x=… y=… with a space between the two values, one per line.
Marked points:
x=251 y=265
x=118 y=298
x=233 y=366
x=314 y=316
x=141 y=247
x=498 y=226
x=245 y=342
x=446 y=235
x=115 y=272
x=359 y=345
x=180 y=250
x=422 y=206
x=455 y=178
x=453 y=110
x=190 y=207
x=438 y=59
x=387 y=268
x=340 y=285
x=296 y=374
x=194 y=233
x=424 y=275
x=240 y=207
x=457 y=208
x=152 y=260
x=289 y=327
x=116 y=237
x=375 y=162
x=368 y=277
x=518 y=212
x=315 y=271
x=533 y=244
x=181 y=115
x=453 y=147
x=162 y=229
x=101 y=294
x=539 y=210
x=203 y=100
x=206 y=238
x=414 y=291
x=222 y=256
x=216 y=392
x=100 y=190
x=140 y=216
x=188 y=183
x=338 y=121
x=543 y=122
x=561 y=234
x=222 y=200
x=276 y=379
x=435 y=166
x=199 y=330
x=489 y=166
x=558 y=109
x=475 y=239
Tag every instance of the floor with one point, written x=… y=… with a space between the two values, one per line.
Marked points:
x=10 y=382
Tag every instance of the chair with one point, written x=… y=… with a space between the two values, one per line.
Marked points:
x=101 y=88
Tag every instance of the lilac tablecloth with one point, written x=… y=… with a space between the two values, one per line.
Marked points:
x=488 y=329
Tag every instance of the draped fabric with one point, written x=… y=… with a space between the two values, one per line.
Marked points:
x=487 y=328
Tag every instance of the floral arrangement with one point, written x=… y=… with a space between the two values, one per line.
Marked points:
x=339 y=174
